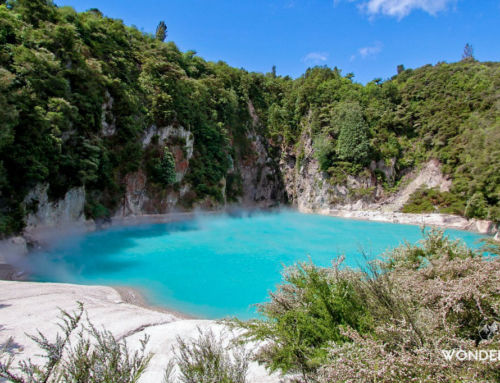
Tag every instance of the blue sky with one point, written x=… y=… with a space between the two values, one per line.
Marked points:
x=366 y=37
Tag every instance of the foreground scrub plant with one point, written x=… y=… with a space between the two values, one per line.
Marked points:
x=305 y=315
x=81 y=354
x=389 y=323
x=208 y=359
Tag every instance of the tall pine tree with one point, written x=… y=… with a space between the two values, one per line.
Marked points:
x=161 y=31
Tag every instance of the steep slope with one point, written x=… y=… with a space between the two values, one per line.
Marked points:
x=99 y=120
x=355 y=147
x=89 y=102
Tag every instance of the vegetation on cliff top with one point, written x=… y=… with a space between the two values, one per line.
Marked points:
x=58 y=68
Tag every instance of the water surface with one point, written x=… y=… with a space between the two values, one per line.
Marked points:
x=216 y=266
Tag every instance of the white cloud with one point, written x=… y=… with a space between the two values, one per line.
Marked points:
x=372 y=50
x=315 y=57
x=401 y=8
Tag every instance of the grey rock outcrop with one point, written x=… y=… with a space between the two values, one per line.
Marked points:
x=108 y=120
x=46 y=213
x=260 y=174
x=163 y=134
x=311 y=190
x=430 y=176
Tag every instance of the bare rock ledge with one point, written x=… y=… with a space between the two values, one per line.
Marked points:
x=432 y=220
x=26 y=307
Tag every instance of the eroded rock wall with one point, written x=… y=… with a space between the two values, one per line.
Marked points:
x=262 y=185
x=268 y=178
x=46 y=213
x=310 y=189
x=142 y=198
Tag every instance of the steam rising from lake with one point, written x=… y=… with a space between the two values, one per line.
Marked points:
x=215 y=265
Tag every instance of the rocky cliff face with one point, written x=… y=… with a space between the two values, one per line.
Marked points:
x=310 y=189
x=363 y=196
x=294 y=177
x=430 y=176
x=46 y=213
x=140 y=197
x=266 y=179
x=262 y=185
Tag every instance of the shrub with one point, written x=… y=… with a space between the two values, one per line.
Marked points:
x=391 y=320
x=433 y=201
x=96 y=210
x=96 y=356
x=165 y=168
x=234 y=187
x=208 y=360
x=477 y=207
x=304 y=316
x=440 y=302
x=324 y=152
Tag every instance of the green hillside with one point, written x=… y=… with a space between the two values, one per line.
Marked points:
x=59 y=67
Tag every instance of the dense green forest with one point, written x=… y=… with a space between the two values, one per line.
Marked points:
x=59 y=67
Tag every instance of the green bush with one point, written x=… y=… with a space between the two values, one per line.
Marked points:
x=96 y=210
x=324 y=152
x=208 y=359
x=165 y=168
x=353 y=143
x=234 y=187
x=432 y=200
x=477 y=206
x=388 y=322
x=305 y=316
x=92 y=356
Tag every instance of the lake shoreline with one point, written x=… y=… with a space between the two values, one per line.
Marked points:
x=29 y=307
x=44 y=234
x=36 y=238
x=436 y=220
x=136 y=297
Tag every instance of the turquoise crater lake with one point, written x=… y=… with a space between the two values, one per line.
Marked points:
x=216 y=266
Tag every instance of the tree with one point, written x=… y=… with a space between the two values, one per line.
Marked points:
x=208 y=359
x=468 y=54
x=477 y=207
x=165 y=168
x=273 y=71
x=401 y=68
x=324 y=151
x=161 y=31
x=353 y=143
x=34 y=11
x=96 y=12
